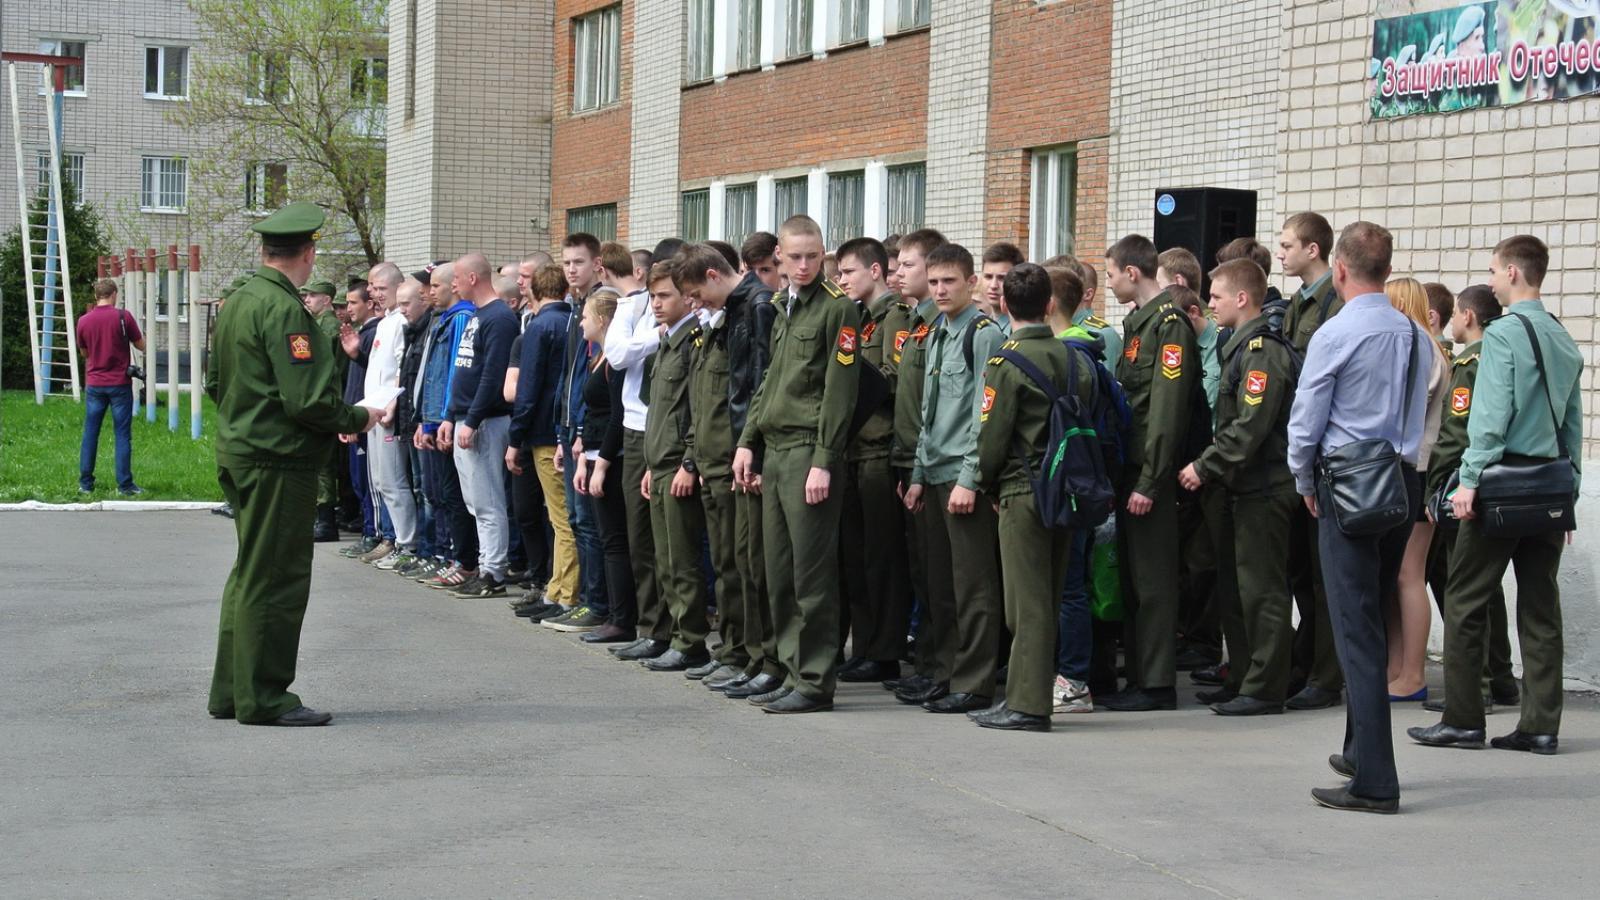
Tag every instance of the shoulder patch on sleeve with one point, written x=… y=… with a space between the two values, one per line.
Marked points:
x=1255 y=386
x=299 y=348
x=1171 y=360
x=988 y=402
x=1461 y=401
x=847 y=346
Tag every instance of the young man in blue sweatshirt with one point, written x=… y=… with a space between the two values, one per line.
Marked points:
x=433 y=387
x=478 y=422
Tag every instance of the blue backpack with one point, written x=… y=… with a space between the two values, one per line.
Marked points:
x=1110 y=412
x=1071 y=487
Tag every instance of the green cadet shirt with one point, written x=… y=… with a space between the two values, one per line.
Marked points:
x=1453 y=428
x=952 y=401
x=809 y=392
x=909 y=353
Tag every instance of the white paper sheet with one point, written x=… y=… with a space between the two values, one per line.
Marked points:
x=380 y=398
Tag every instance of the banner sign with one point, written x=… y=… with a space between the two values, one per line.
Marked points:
x=1496 y=53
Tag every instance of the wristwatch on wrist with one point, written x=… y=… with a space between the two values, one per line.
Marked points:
x=688 y=466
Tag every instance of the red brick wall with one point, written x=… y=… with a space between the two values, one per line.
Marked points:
x=589 y=151
x=858 y=102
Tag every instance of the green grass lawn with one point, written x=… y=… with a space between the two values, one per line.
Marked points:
x=39 y=453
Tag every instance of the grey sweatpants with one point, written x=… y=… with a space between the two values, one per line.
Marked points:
x=483 y=488
x=391 y=479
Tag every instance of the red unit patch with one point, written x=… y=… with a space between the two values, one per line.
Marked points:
x=300 y=347
x=1171 y=356
x=1461 y=401
x=847 y=340
x=1256 y=383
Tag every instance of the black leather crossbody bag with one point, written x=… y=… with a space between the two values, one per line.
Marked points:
x=1525 y=495
x=1365 y=480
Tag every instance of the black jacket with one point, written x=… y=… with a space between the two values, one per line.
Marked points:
x=749 y=319
x=405 y=411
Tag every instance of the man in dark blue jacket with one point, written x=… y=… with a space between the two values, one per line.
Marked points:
x=580 y=261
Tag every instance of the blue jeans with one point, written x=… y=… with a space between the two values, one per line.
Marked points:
x=1074 y=626
x=358 y=484
x=120 y=401
x=426 y=547
x=591 y=552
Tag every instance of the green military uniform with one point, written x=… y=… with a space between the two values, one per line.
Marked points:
x=1311 y=306
x=1105 y=331
x=1513 y=412
x=798 y=421
x=1248 y=458
x=1157 y=368
x=963 y=578
x=273 y=379
x=711 y=445
x=1033 y=558
x=328 y=324
x=1497 y=673
x=678 y=523
x=908 y=352
x=876 y=579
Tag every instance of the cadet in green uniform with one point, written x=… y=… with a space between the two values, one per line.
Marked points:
x=1304 y=246
x=318 y=297
x=1086 y=319
x=672 y=482
x=800 y=418
x=1475 y=306
x=1157 y=368
x=876 y=580
x=1015 y=415
x=1527 y=402
x=1248 y=457
x=963 y=578
x=273 y=378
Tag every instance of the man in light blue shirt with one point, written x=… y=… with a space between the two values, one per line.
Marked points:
x=1354 y=387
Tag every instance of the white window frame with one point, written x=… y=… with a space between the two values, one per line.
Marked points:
x=58 y=47
x=73 y=165
x=795 y=34
x=855 y=13
x=163 y=308
x=1050 y=165
x=700 y=41
x=735 y=198
x=162 y=91
x=371 y=112
x=839 y=206
x=259 y=72
x=597 y=59
x=797 y=185
x=900 y=15
x=256 y=181
x=891 y=188
x=687 y=200
x=159 y=191
x=746 y=23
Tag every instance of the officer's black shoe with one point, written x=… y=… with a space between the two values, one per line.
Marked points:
x=957 y=703
x=724 y=682
x=933 y=691
x=1136 y=699
x=777 y=693
x=224 y=714
x=300 y=716
x=1442 y=735
x=649 y=648
x=722 y=672
x=327 y=529
x=1193 y=658
x=1542 y=744
x=1341 y=766
x=755 y=687
x=1010 y=720
x=607 y=634
x=1437 y=705
x=226 y=511
x=1248 y=706
x=675 y=661
x=1216 y=674
x=852 y=664
x=1341 y=798
x=795 y=703
x=1505 y=694
x=702 y=670
x=1220 y=695
x=912 y=682
x=871 y=670
x=1313 y=697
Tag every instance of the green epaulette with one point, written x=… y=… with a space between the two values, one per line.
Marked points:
x=833 y=290
x=1094 y=321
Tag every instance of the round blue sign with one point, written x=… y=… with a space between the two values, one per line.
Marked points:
x=1165 y=204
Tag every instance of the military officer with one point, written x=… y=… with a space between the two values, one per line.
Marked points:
x=1248 y=457
x=274 y=381
x=801 y=418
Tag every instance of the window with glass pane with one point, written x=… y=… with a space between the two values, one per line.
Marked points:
x=789 y=197
x=907 y=190
x=596 y=59
x=266 y=186
x=268 y=78
x=913 y=13
x=738 y=213
x=163 y=184
x=700 y=41
x=747 y=50
x=600 y=221
x=797 y=28
x=166 y=72
x=1053 y=203
x=75 y=74
x=852 y=21
x=847 y=194
x=694 y=215
x=164 y=299
x=71 y=173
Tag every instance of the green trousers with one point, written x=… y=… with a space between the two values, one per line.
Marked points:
x=1254 y=543
x=802 y=572
x=969 y=559
x=936 y=627
x=751 y=561
x=1147 y=547
x=328 y=482
x=722 y=529
x=264 y=601
x=1497 y=671
x=654 y=621
x=679 y=524
x=1034 y=560
x=1476 y=568
x=1313 y=651
x=877 y=580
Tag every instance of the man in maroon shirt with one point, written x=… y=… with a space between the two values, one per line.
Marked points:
x=106 y=335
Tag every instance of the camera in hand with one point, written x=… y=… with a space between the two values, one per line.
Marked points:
x=136 y=372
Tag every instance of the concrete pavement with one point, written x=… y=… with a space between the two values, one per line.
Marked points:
x=474 y=756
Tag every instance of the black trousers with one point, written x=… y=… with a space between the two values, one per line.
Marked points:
x=611 y=512
x=463 y=530
x=1359 y=573
x=527 y=506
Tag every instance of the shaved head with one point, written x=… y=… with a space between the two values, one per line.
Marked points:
x=386 y=273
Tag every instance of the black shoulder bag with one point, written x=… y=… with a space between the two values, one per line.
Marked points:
x=1365 y=480
x=1525 y=495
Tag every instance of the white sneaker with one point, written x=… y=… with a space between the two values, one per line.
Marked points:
x=394 y=560
x=1072 y=696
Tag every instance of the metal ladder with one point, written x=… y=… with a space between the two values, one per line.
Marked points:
x=48 y=275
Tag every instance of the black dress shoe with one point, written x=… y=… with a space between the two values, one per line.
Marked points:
x=220 y=715
x=1216 y=674
x=1220 y=695
x=1341 y=766
x=674 y=661
x=1437 y=705
x=1341 y=798
x=871 y=670
x=1505 y=694
x=1442 y=735
x=851 y=664
x=608 y=634
x=913 y=682
x=933 y=691
x=722 y=683
x=1313 y=697
x=1139 y=700
x=772 y=696
x=649 y=648
x=958 y=703
x=1542 y=744
x=1011 y=720
x=755 y=687
x=1248 y=706
x=794 y=703
x=723 y=672
x=299 y=717
x=702 y=670
x=1191 y=659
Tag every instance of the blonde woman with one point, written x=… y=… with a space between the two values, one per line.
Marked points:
x=1410 y=617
